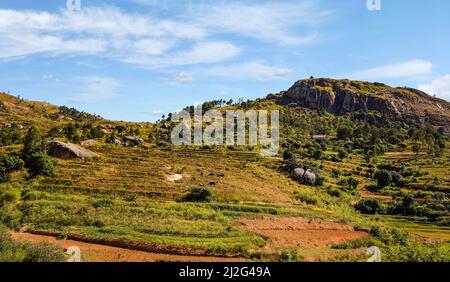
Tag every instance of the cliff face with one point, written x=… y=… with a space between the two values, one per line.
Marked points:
x=342 y=96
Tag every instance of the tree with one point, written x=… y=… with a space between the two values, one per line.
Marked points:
x=40 y=164
x=33 y=142
x=383 y=177
x=370 y=206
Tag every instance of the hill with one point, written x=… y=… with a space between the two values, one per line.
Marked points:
x=345 y=96
x=379 y=180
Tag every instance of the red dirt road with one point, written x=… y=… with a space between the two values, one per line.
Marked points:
x=101 y=253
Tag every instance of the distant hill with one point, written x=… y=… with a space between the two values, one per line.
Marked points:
x=343 y=96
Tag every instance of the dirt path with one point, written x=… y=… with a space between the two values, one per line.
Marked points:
x=102 y=253
x=300 y=232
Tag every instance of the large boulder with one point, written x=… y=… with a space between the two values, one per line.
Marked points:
x=307 y=176
x=133 y=141
x=63 y=150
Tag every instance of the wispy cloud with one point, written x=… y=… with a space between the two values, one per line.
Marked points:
x=104 y=31
x=96 y=89
x=184 y=77
x=273 y=22
x=409 y=69
x=252 y=70
x=50 y=77
x=439 y=87
x=197 y=36
x=201 y=53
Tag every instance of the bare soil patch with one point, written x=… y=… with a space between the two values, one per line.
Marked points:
x=302 y=233
x=101 y=253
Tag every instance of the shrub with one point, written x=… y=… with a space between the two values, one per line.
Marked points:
x=9 y=197
x=306 y=198
x=336 y=173
x=383 y=178
x=198 y=194
x=356 y=244
x=370 y=206
x=103 y=203
x=352 y=183
x=11 y=251
x=9 y=164
x=289 y=256
x=391 y=236
x=416 y=252
x=342 y=153
x=334 y=193
x=40 y=164
x=43 y=252
x=344 y=132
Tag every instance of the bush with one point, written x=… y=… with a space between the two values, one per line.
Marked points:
x=103 y=203
x=383 y=178
x=336 y=173
x=9 y=197
x=391 y=236
x=40 y=164
x=306 y=198
x=11 y=251
x=370 y=206
x=416 y=252
x=356 y=244
x=344 y=132
x=334 y=193
x=198 y=194
x=9 y=164
x=43 y=252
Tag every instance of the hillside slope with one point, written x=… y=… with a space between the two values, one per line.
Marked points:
x=344 y=96
x=136 y=196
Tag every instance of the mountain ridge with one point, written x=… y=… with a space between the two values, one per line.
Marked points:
x=341 y=96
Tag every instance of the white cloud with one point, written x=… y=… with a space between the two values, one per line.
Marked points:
x=97 y=89
x=439 y=87
x=184 y=77
x=253 y=70
x=50 y=77
x=188 y=36
x=273 y=22
x=409 y=69
x=201 y=53
x=108 y=32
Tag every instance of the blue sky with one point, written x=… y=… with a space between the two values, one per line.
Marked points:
x=137 y=59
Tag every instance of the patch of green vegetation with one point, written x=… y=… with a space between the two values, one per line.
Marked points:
x=11 y=251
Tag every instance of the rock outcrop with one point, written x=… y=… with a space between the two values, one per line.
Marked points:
x=299 y=174
x=63 y=150
x=133 y=141
x=343 y=96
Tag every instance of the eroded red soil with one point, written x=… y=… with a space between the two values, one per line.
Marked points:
x=300 y=232
x=101 y=253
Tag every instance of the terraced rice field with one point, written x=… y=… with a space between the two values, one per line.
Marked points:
x=233 y=176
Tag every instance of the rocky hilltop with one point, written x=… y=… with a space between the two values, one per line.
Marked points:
x=342 y=96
